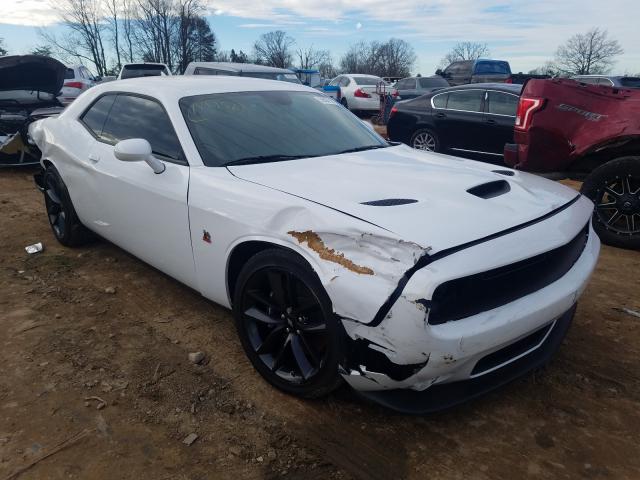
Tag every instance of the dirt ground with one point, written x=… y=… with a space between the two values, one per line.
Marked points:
x=95 y=322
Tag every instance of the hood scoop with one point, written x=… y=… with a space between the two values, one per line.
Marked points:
x=389 y=202
x=508 y=173
x=490 y=189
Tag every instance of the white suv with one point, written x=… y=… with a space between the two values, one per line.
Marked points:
x=77 y=79
x=358 y=91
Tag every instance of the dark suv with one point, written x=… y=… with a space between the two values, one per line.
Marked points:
x=413 y=87
x=476 y=71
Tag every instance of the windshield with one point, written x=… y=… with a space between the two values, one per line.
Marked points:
x=630 y=82
x=134 y=71
x=273 y=125
x=368 y=80
x=284 y=77
x=495 y=67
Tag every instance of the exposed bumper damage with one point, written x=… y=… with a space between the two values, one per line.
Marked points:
x=401 y=351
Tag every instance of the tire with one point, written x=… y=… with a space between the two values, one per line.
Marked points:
x=343 y=102
x=425 y=139
x=614 y=188
x=297 y=349
x=62 y=216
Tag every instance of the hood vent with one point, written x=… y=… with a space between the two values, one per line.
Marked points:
x=389 y=202
x=490 y=189
x=508 y=173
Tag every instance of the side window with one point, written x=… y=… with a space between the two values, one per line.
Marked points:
x=605 y=81
x=335 y=82
x=440 y=101
x=402 y=85
x=502 y=103
x=410 y=83
x=137 y=117
x=344 y=82
x=466 y=100
x=95 y=117
x=203 y=71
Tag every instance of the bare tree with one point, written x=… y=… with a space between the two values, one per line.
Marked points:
x=128 y=29
x=587 y=53
x=84 y=21
x=113 y=8
x=393 y=58
x=274 y=49
x=156 y=30
x=465 y=51
x=549 y=68
x=3 y=51
x=311 y=58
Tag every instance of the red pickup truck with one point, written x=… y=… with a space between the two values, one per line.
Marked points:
x=590 y=133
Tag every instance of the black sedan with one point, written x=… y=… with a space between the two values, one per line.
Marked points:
x=474 y=120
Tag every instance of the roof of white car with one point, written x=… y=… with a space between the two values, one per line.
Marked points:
x=179 y=86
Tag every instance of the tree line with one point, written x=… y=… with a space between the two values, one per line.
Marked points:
x=108 y=33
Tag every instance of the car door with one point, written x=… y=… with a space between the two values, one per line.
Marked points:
x=141 y=211
x=500 y=118
x=460 y=124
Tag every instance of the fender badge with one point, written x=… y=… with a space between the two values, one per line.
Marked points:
x=206 y=236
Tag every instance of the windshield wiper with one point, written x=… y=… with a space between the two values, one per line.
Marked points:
x=362 y=149
x=264 y=159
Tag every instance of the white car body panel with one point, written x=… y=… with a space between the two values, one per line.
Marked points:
x=69 y=94
x=314 y=208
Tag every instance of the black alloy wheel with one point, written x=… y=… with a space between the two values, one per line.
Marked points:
x=614 y=189
x=286 y=325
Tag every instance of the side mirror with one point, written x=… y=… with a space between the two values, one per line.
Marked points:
x=439 y=72
x=138 y=150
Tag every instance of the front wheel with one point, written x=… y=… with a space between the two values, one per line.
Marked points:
x=614 y=188
x=62 y=216
x=425 y=139
x=286 y=324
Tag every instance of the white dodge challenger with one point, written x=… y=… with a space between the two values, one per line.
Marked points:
x=421 y=280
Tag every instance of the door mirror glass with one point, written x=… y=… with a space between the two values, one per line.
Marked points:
x=137 y=150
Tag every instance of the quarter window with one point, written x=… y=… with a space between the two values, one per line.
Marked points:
x=137 y=117
x=502 y=104
x=440 y=101
x=466 y=100
x=95 y=117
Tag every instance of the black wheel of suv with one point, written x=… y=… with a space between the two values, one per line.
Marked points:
x=286 y=324
x=425 y=139
x=614 y=188
x=62 y=216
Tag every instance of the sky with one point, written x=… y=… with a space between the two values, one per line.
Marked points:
x=524 y=32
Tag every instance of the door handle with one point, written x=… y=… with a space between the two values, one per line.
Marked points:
x=491 y=121
x=440 y=115
x=93 y=158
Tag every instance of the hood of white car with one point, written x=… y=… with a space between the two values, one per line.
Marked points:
x=434 y=200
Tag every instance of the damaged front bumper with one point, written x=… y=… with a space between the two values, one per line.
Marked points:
x=413 y=363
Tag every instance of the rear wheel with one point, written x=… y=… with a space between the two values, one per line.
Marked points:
x=62 y=216
x=614 y=188
x=425 y=139
x=286 y=324
x=343 y=102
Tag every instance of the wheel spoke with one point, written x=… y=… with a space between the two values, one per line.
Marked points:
x=304 y=365
x=614 y=217
x=318 y=328
x=611 y=191
x=272 y=340
x=258 y=296
x=255 y=314
x=278 y=360
x=608 y=204
x=277 y=285
x=52 y=195
x=626 y=183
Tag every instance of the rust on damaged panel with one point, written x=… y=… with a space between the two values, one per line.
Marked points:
x=316 y=244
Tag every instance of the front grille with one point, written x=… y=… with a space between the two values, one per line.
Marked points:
x=467 y=296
